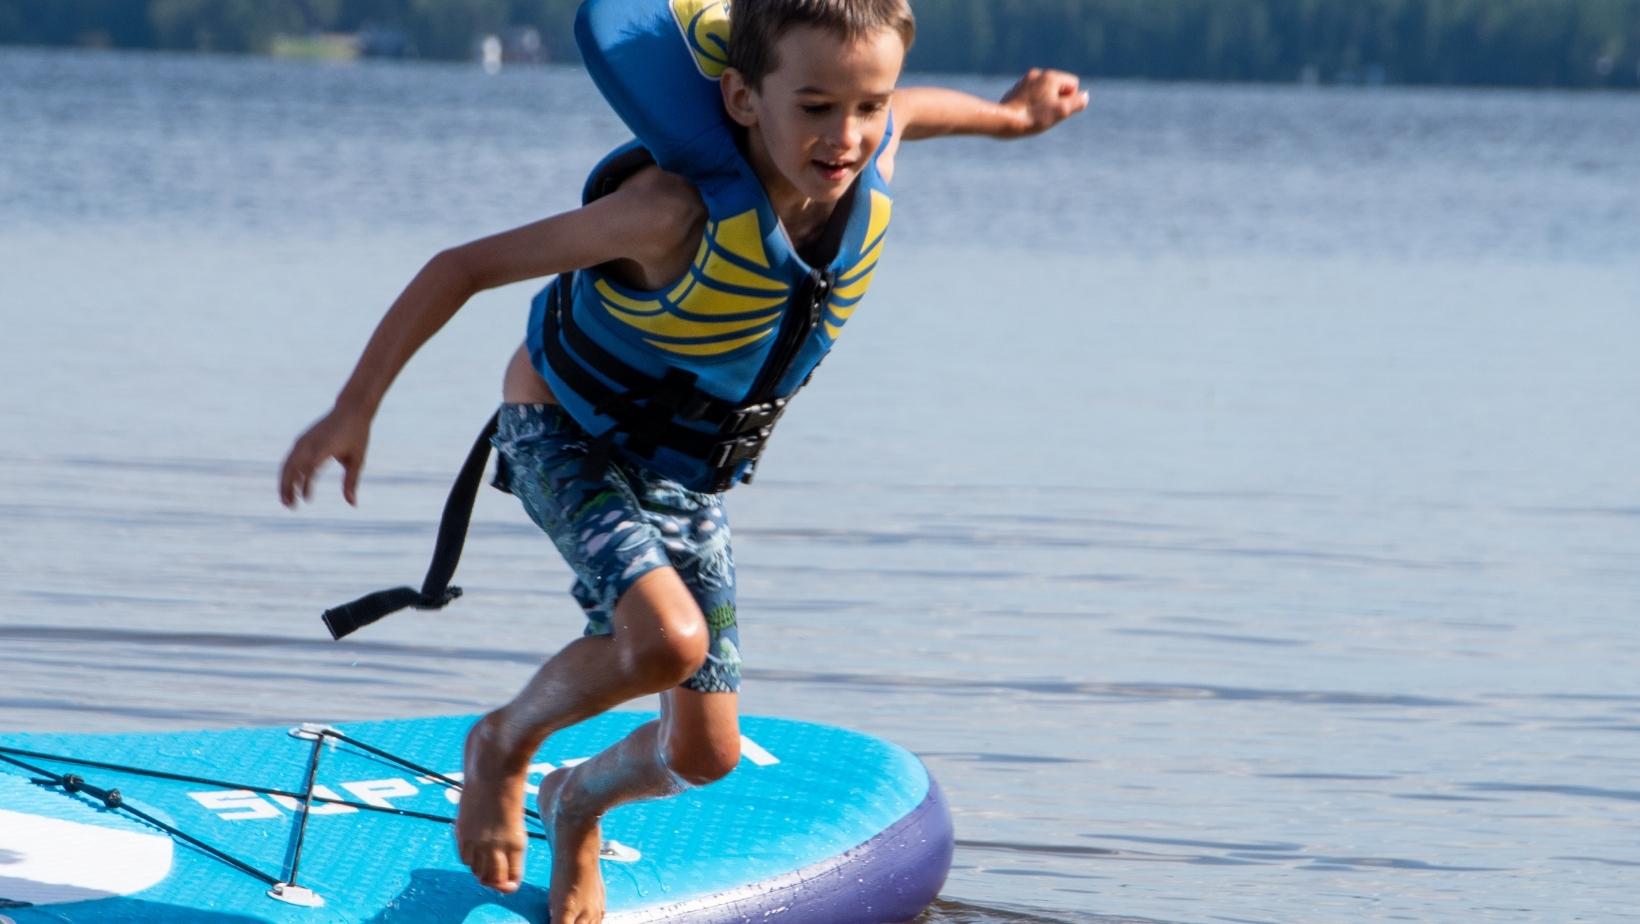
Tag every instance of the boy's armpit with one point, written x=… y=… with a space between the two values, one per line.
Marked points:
x=667 y=215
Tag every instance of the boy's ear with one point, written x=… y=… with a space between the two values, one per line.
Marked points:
x=737 y=97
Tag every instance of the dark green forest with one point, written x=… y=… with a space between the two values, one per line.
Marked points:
x=1538 y=43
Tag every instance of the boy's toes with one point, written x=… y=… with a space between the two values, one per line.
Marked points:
x=513 y=867
x=505 y=873
x=496 y=869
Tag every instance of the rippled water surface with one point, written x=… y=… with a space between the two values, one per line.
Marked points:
x=1231 y=496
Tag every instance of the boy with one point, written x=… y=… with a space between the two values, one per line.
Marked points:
x=612 y=473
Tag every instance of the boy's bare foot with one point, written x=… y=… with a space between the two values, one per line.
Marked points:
x=577 y=892
x=490 y=819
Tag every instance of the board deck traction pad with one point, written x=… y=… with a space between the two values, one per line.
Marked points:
x=817 y=825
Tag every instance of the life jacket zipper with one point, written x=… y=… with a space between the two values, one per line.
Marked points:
x=795 y=328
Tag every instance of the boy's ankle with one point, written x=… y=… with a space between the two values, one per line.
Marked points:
x=504 y=740
x=572 y=803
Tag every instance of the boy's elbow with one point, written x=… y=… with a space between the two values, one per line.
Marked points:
x=453 y=268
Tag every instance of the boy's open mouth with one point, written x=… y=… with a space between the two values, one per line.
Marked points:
x=833 y=169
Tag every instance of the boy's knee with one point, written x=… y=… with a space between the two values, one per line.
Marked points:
x=670 y=652
x=660 y=630
x=698 y=762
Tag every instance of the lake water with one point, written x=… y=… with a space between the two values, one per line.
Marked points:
x=1233 y=496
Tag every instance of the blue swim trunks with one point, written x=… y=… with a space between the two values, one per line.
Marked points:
x=616 y=522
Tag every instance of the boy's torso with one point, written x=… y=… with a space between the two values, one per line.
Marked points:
x=678 y=218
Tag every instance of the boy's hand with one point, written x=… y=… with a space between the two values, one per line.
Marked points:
x=341 y=435
x=1042 y=99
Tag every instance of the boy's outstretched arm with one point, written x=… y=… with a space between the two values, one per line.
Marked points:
x=645 y=216
x=1039 y=101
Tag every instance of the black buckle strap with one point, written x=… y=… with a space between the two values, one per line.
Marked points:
x=436 y=592
x=648 y=408
x=730 y=453
x=647 y=415
x=755 y=417
x=676 y=387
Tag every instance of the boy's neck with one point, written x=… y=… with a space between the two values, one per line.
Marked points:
x=802 y=217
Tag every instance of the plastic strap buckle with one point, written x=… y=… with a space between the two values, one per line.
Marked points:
x=735 y=451
x=756 y=416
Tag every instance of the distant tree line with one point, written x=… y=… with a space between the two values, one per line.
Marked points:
x=440 y=29
x=1561 y=43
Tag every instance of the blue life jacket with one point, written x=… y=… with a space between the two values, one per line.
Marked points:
x=690 y=378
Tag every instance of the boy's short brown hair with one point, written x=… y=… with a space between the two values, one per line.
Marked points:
x=756 y=25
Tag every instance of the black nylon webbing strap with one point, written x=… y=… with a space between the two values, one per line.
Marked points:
x=727 y=418
x=643 y=406
x=644 y=412
x=452 y=535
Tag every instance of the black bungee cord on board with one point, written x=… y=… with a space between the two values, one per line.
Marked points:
x=285 y=889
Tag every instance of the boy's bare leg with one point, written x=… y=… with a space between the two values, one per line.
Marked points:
x=696 y=741
x=660 y=639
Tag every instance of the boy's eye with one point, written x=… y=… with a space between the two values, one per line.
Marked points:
x=873 y=108
x=816 y=108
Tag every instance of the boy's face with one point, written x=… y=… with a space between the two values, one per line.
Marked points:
x=821 y=114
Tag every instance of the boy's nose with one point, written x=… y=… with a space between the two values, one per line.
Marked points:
x=845 y=134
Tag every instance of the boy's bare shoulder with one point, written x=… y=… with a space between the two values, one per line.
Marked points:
x=663 y=197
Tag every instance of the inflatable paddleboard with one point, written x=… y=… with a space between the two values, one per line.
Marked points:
x=817 y=825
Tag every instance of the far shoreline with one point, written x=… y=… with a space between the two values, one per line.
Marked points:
x=475 y=64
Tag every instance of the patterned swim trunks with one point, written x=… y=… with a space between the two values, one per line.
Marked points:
x=619 y=522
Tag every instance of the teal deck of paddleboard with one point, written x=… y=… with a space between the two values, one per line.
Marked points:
x=801 y=796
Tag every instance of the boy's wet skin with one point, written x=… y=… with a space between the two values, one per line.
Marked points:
x=659 y=642
x=812 y=124
x=577 y=881
x=811 y=127
x=491 y=797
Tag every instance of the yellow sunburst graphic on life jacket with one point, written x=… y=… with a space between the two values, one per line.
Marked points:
x=853 y=282
x=727 y=300
x=705 y=28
